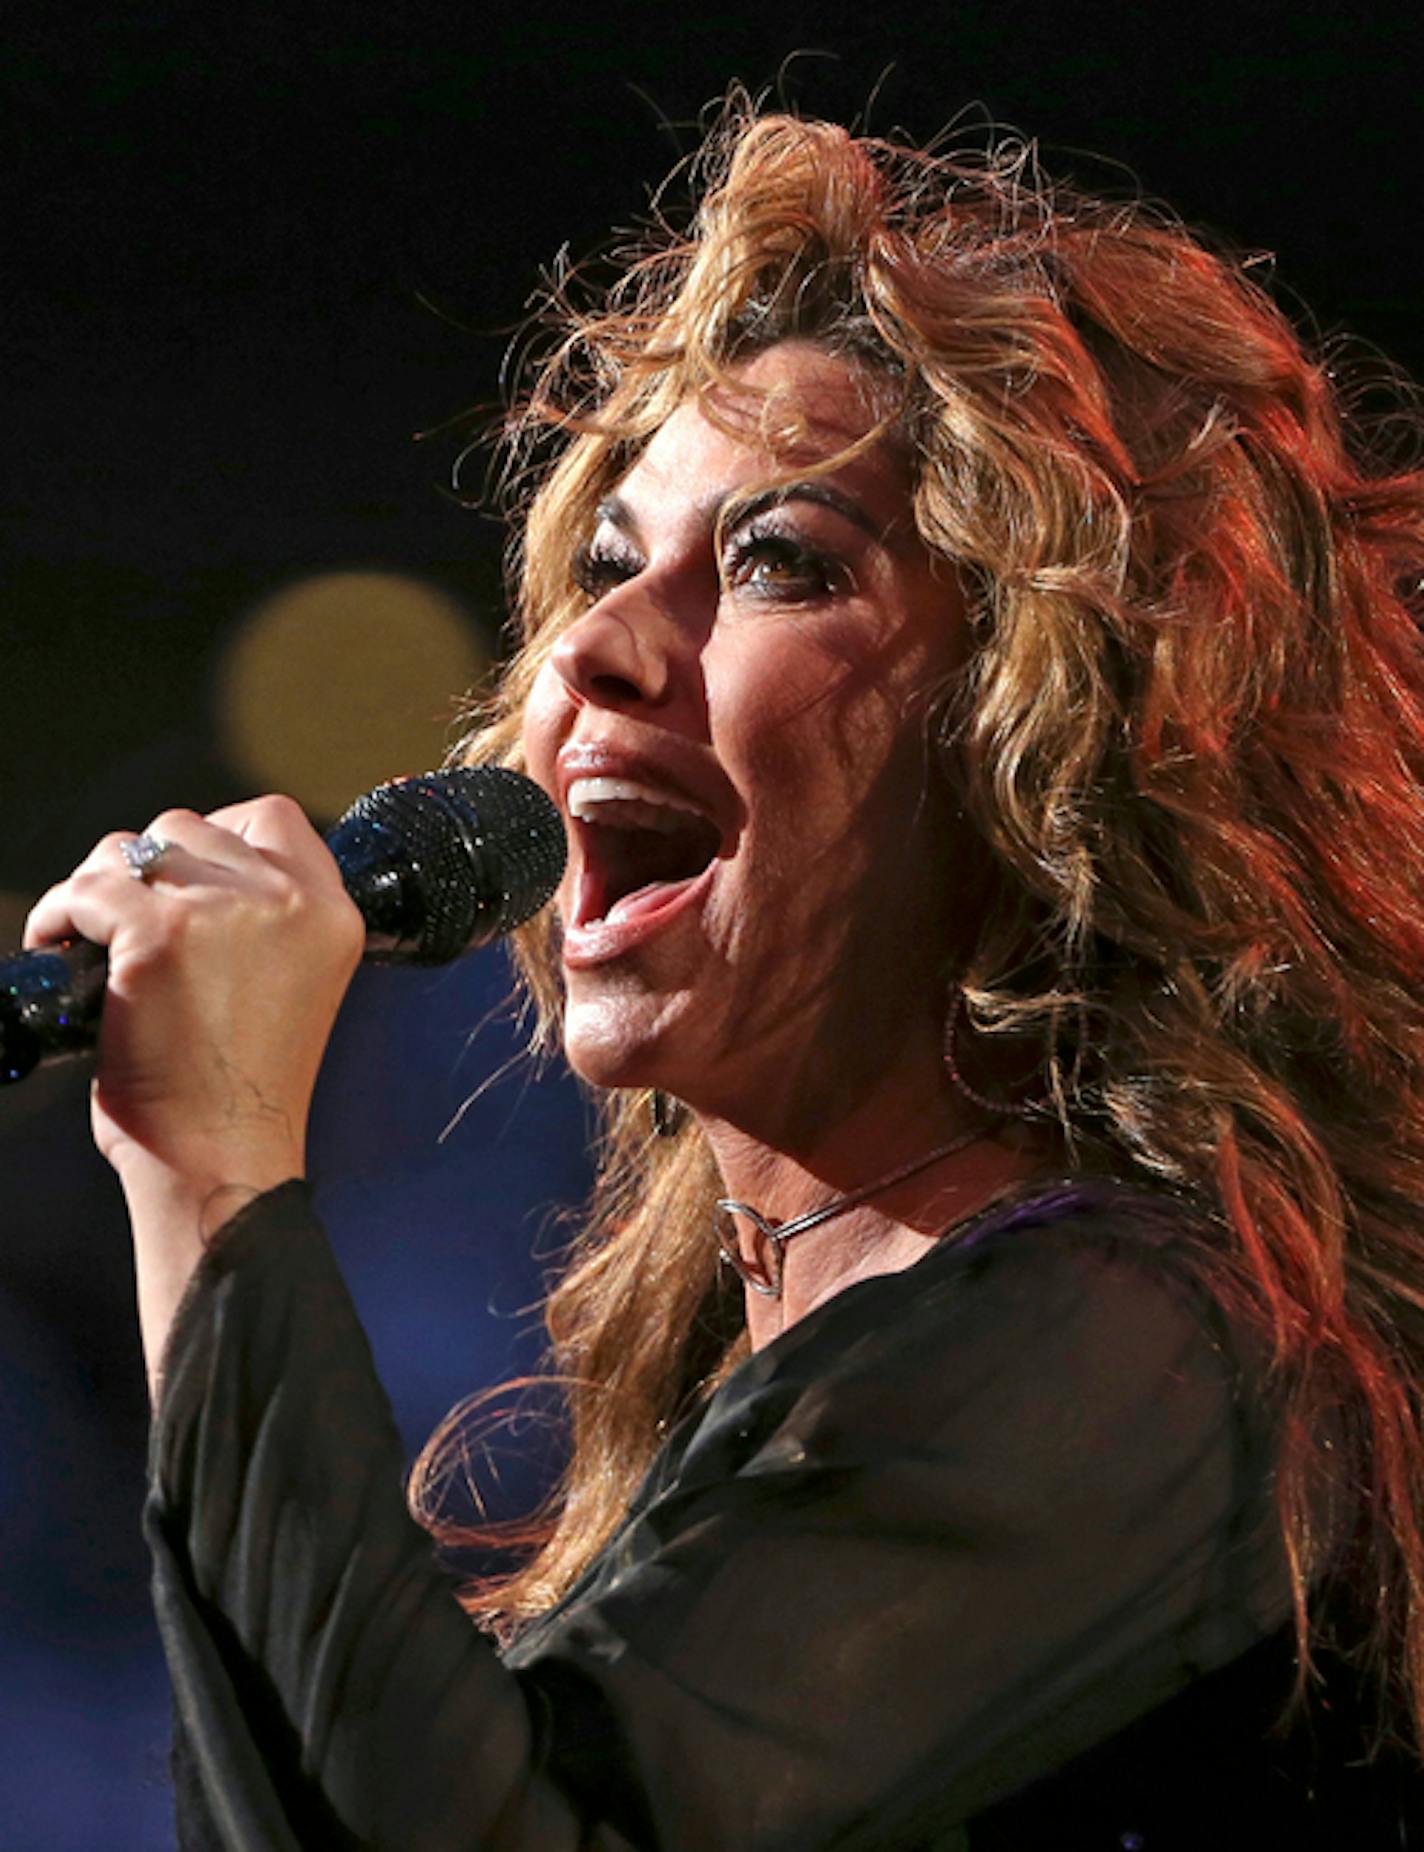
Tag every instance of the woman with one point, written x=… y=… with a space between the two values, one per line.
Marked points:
x=982 y=687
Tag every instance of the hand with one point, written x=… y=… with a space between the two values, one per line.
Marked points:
x=226 y=969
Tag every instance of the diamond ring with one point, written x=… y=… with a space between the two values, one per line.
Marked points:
x=144 y=854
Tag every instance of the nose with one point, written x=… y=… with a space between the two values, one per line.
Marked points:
x=621 y=653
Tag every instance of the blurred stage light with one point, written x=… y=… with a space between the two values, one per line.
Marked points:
x=343 y=680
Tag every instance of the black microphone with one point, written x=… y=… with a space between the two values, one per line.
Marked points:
x=437 y=865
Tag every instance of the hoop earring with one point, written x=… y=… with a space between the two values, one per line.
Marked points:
x=1008 y=1109
x=666 y=1113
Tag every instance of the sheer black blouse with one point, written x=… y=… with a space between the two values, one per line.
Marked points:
x=902 y=1582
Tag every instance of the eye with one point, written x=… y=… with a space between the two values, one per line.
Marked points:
x=769 y=563
x=602 y=563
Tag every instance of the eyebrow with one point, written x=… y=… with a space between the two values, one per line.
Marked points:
x=734 y=512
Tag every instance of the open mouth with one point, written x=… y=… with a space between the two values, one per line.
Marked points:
x=636 y=847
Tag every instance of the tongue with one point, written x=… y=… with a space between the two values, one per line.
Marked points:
x=644 y=900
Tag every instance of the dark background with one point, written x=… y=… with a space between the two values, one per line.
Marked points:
x=247 y=253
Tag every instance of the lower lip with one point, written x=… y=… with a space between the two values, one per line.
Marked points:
x=602 y=940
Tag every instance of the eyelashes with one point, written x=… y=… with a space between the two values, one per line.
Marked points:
x=602 y=563
x=769 y=562
x=761 y=560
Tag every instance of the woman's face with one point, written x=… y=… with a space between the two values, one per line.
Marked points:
x=760 y=902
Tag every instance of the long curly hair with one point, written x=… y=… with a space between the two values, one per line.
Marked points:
x=1191 y=734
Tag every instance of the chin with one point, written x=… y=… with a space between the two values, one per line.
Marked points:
x=617 y=1041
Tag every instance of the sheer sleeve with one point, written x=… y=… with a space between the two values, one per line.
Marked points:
x=949 y=1531
x=330 y=1691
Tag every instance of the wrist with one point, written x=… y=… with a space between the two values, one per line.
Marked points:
x=176 y=1215
x=202 y=1188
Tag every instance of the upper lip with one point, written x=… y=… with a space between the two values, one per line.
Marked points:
x=662 y=769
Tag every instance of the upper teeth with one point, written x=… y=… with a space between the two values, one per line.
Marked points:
x=586 y=794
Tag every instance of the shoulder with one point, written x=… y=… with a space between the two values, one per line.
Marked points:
x=1065 y=1336
x=1036 y=1442
x=1110 y=1271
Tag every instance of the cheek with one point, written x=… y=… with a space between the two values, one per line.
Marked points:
x=545 y=722
x=771 y=695
x=809 y=731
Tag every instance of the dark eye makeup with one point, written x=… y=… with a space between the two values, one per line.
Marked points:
x=604 y=562
x=765 y=557
x=769 y=559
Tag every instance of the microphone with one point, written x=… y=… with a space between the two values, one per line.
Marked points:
x=437 y=865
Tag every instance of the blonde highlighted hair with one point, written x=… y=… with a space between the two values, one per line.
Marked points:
x=1191 y=734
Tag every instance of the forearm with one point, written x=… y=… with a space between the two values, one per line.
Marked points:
x=327 y=1678
x=174 y=1216
x=227 y=963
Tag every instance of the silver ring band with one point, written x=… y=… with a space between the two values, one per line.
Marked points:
x=144 y=854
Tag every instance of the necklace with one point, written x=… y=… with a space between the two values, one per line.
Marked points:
x=765 y=1277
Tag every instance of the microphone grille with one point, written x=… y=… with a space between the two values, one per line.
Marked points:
x=480 y=849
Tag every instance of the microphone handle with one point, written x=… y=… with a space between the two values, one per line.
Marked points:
x=52 y=997
x=436 y=864
x=51 y=1000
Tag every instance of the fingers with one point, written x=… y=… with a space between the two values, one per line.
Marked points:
x=97 y=899
x=94 y=903
x=265 y=844
x=240 y=835
x=266 y=822
x=272 y=829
